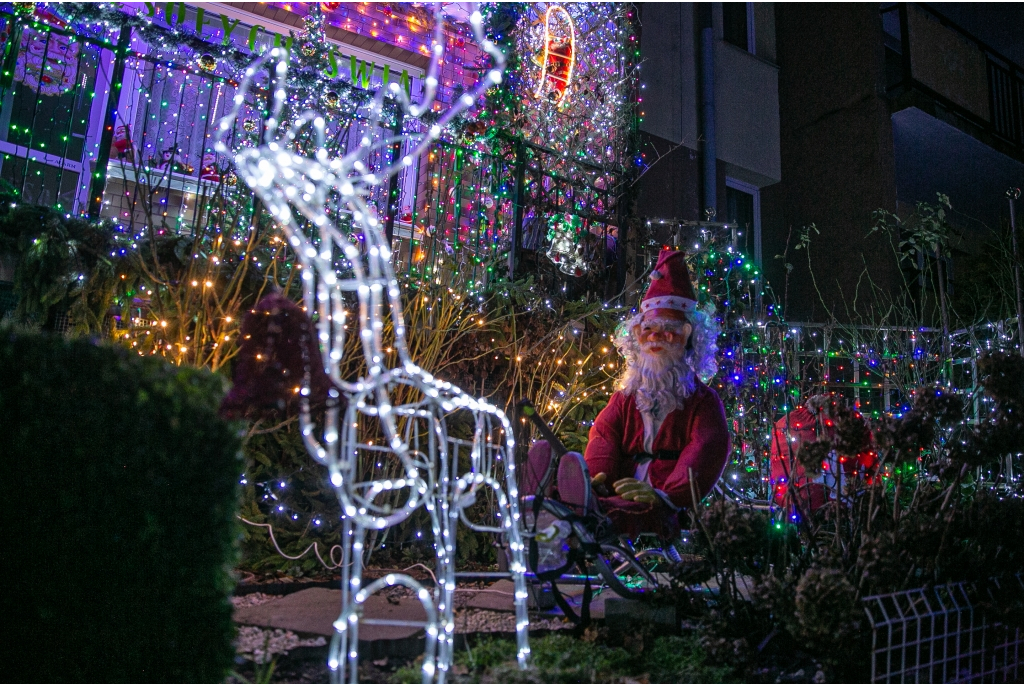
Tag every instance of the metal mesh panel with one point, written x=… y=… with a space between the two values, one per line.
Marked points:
x=937 y=635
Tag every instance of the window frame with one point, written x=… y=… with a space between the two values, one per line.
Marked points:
x=755 y=192
x=751 y=34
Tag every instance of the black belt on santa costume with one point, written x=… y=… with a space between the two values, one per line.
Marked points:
x=644 y=457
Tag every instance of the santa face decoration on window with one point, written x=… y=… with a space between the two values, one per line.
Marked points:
x=47 y=62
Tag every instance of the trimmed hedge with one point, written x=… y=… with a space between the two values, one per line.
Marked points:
x=121 y=496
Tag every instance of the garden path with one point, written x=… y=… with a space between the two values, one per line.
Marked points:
x=313 y=611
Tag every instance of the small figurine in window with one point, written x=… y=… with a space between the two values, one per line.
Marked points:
x=208 y=171
x=166 y=159
x=123 y=143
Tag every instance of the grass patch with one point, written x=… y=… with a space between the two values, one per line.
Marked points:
x=590 y=659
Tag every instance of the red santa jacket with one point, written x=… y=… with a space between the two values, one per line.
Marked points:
x=697 y=432
x=790 y=434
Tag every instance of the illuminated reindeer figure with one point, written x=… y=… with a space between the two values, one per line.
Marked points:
x=296 y=189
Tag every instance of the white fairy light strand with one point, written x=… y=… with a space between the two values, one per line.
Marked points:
x=285 y=180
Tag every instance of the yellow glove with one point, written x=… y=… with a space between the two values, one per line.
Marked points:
x=632 y=490
x=599 y=484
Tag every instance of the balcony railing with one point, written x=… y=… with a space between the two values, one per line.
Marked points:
x=933 y=64
x=93 y=126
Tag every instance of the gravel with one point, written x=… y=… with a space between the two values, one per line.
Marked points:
x=253 y=599
x=486 y=621
x=261 y=645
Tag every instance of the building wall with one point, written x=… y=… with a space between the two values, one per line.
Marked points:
x=837 y=156
x=948 y=63
x=669 y=73
x=764 y=30
x=997 y=24
x=932 y=157
x=746 y=115
x=671 y=188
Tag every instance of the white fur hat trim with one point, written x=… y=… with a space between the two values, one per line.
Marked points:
x=682 y=304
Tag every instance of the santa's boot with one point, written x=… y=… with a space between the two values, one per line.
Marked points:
x=538 y=474
x=574 y=484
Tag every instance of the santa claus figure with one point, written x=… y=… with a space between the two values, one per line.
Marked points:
x=122 y=142
x=661 y=443
x=807 y=468
x=208 y=171
x=791 y=484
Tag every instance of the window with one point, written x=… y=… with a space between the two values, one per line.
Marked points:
x=45 y=116
x=893 y=45
x=738 y=24
x=743 y=208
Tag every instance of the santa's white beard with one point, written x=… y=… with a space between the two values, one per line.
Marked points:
x=659 y=381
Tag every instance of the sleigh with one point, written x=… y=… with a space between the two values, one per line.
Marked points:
x=570 y=540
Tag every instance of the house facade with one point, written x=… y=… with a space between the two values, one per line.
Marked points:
x=882 y=107
x=111 y=113
x=710 y=116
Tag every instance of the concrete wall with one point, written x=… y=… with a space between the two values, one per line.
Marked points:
x=669 y=72
x=747 y=115
x=948 y=63
x=837 y=156
x=764 y=30
x=998 y=24
x=934 y=157
x=671 y=188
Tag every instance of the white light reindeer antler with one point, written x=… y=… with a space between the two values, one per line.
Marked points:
x=296 y=189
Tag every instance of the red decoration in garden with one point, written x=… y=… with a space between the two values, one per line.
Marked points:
x=278 y=348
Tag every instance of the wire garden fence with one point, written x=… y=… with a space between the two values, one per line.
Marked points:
x=941 y=635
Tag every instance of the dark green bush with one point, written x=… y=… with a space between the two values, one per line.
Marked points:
x=121 y=497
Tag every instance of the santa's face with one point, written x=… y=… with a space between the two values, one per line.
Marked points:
x=663 y=334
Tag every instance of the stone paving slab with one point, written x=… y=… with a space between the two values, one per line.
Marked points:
x=314 y=611
x=499 y=597
x=496 y=597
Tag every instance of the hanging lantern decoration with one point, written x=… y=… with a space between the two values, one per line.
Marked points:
x=565 y=232
x=332 y=98
x=230 y=179
x=558 y=55
x=250 y=126
x=207 y=62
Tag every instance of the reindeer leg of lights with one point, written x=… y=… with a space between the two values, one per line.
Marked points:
x=295 y=189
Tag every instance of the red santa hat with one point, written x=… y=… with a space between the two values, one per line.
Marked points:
x=670 y=287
